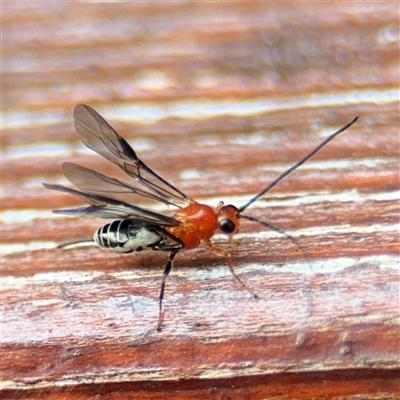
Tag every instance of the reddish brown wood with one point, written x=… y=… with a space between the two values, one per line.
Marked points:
x=80 y=323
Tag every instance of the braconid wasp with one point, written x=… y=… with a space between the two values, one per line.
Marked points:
x=136 y=228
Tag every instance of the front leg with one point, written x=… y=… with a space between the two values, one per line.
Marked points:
x=222 y=252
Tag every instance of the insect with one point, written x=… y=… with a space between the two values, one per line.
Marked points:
x=136 y=228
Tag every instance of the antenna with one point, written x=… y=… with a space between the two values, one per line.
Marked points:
x=295 y=166
x=276 y=229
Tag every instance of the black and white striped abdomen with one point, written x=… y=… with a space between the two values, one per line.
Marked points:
x=126 y=236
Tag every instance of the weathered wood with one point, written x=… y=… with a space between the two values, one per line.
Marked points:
x=219 y=99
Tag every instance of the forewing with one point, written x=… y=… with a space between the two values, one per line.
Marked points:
x=93 y=182
x=105 y=207
x=100 y=137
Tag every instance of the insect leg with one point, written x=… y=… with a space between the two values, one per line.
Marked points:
x=74 y=243
x=231 y=269
x=219 y=251
x=166 y=272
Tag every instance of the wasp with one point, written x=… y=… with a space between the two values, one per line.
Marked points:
x=137 y=228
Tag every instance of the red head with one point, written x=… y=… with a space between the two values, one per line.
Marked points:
x=228 y=219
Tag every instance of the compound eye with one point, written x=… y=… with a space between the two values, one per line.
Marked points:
x=226 y=226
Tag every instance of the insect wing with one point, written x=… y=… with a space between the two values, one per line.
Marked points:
x=104 y=207
x=100 y=137
x=93 y=182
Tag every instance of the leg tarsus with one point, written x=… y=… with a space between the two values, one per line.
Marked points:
x=219 y=251
x=160 y=320
x=231 y=269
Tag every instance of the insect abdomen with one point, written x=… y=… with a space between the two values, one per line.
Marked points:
x=126 y=236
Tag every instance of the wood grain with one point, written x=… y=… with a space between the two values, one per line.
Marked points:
x=219 y=98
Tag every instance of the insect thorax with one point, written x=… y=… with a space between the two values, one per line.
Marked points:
x=127 y=235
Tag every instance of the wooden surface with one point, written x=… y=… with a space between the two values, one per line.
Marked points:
x=219 y=98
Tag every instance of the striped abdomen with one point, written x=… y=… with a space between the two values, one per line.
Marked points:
x=126 y=236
